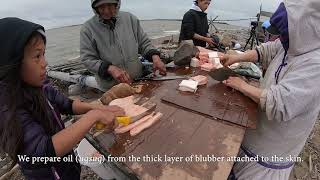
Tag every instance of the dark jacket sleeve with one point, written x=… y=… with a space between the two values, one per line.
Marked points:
x=63 y=103
x=36 y=142
x=188 y=26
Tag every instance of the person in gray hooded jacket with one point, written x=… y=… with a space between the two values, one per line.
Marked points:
x=288 y=95
x=110 y=43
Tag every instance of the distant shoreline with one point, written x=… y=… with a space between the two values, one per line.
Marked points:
x=146 y=20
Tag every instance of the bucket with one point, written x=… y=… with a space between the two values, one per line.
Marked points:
x=85 y=151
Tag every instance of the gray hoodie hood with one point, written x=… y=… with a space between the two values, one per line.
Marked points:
x=94 y=10
x=304 y=29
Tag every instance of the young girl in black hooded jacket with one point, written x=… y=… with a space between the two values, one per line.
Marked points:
x=30 y=107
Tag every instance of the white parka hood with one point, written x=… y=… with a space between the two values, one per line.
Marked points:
x=304 y=26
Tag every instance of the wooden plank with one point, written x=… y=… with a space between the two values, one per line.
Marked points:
x=179 y=133
x=215 y=141
x=218 y=101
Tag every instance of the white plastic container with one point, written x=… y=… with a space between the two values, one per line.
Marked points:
x=86 y=150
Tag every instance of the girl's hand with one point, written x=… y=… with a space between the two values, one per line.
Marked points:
x=235 y=83
x=116 y=110
x=102 y=117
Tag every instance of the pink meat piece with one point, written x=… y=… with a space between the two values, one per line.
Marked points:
x=122 y=101
x=128 y=106
x=141 y=127
x=134 y=110
x=204 y=54
x=207 y=67
x=204 y=58
x=203 y=61
x=124 y=129
x=202 y=80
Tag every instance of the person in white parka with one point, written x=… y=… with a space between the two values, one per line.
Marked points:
x=289 y=93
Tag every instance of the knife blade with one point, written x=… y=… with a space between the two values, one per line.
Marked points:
x=166 y=78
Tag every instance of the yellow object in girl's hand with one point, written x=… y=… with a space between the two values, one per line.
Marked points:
x=124 y=120
x=100 y=126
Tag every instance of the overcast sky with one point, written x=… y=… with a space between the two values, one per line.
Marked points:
x=57 y=13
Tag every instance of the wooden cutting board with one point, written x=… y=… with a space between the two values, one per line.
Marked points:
x=218 y=102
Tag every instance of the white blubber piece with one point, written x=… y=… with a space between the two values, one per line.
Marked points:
x=195 y=62
x=124 y=129
x=202 y=80
x=185 y=89
x=188 y=86
x=213 y=54
x=219 y=66
x=141 y=127
x=214 y=58
x=217 y=61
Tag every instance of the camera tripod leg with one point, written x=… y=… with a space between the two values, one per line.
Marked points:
x=248 y=41
x=252 y=41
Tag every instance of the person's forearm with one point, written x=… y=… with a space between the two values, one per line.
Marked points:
x=65 y=140
x=252 y=92
x=79 y=107
x=199 y=37
x=248 y=56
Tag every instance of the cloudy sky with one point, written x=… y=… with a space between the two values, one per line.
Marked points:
x=57 y=13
